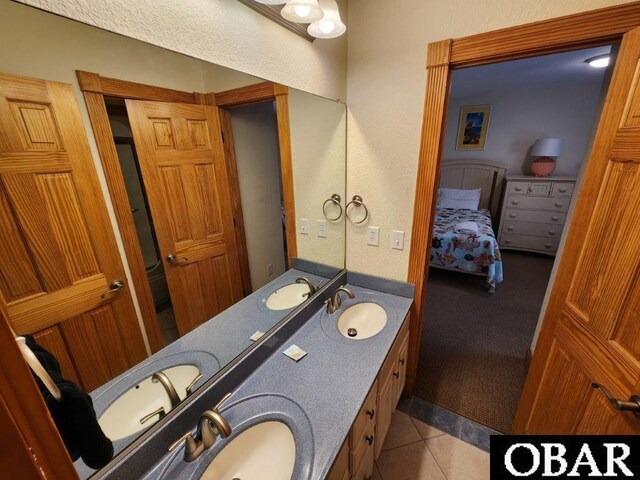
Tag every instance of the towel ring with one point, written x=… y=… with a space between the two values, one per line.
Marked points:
x=356 y=201
x=335 y=199
x=38 y=369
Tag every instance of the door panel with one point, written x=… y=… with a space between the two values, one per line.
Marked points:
x=591 y=331
x=183 y=169
x=59 y=252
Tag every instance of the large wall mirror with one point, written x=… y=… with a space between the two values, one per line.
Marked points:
x=159 y=215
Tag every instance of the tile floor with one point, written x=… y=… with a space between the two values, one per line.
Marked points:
x=414 y=450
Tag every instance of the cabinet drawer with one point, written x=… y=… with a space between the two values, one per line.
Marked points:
x=340 y=468
x=518 y=188
x=535 y=216
x=363 y=449
x=402 y=366
x=366 y=416
x=366 y=466
x=541 y=244
x=390 y=362
x=562 y=189
x=536 y=229
x=539 y=203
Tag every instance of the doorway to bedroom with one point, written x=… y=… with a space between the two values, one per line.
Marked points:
x=518 y=135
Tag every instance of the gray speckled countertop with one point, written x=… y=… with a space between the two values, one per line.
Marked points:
x=210 y=347
x=329 y=386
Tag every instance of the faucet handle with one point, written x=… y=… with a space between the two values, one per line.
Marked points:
x=219 y=404
x=190 y=443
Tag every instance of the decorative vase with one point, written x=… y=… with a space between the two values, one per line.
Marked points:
x=543 y=166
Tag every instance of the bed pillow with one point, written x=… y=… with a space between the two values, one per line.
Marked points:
x=458 y=199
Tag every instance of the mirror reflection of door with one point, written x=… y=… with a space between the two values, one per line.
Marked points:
x=60 y=262
x=183 y=169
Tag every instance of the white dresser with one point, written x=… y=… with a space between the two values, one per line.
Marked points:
x=534 y=211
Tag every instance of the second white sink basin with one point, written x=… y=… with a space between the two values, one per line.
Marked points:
x=122 y=418
x=266 y=451
x=362 y=320
x=288 y=297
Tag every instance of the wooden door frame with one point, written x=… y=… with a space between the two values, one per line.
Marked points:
x=256 y=93
x=582 y=30
x=95 y=88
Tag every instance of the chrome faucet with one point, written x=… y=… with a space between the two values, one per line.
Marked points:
x=335 y=301
x=168 y=386
x=312 y=288
x=210 y=425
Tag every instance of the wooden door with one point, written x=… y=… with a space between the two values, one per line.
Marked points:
x=591 y=331
x=59 y=254
x=183 y=169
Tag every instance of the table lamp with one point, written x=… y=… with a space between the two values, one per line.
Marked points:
x=545 y=149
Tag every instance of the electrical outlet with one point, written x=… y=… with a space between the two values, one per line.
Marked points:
x=373 y=236
x=304 y=226
x=270 y=269
x=322 y=228
x=397 y=240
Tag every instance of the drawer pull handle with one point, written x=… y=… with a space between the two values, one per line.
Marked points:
x=551 y=232
x=510 y=229
x=396 y=374
x=513 y=215
x=517 y=189
x=507 y=241
x=369 y=439
x=562 y=190
x=558 y=204
x=514 y=202
x=401 y=361
x=555 y=219
x=547 y=245
x=371 y=413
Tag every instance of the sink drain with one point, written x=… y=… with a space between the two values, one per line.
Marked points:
x=352 y=332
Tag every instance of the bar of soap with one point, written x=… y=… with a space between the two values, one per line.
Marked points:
x=256 y=336
x=295 y=352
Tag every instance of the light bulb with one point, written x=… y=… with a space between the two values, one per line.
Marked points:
x=326 y=27
x=302 y=11
x=600 y=61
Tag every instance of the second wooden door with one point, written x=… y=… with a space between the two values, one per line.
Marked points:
x=183 y=169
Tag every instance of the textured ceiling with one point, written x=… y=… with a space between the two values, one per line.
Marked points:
x=560 y=69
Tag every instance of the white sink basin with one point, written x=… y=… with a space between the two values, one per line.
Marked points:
x=122 y=418
x=288 y=297
x=362 y=320
x=266 y=451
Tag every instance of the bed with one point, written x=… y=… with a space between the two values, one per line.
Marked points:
x=471 y=253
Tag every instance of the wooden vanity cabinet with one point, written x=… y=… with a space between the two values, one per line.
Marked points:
x=364 y=442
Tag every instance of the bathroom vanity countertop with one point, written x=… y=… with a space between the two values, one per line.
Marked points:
x=330 y=385
x=209 y=347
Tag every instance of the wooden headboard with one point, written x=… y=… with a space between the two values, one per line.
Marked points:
x=470 y=174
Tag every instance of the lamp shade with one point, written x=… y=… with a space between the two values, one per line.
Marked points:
x=547 y=147
x=271 y=2
x=302 y=11
x=330 y=26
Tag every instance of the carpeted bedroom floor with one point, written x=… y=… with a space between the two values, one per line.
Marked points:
x=473 y=343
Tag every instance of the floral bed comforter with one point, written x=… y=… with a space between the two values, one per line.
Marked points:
x=473 y=253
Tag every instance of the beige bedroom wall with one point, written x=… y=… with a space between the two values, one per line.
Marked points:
x=385 y=93
x=318 y=148
x=223 y=32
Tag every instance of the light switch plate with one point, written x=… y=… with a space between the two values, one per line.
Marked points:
x=373 y=236
x=322 y=228
x=397 y=240
x=304 y=226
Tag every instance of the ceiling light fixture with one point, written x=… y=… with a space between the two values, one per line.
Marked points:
x=330 y=26
x=599 y=61
x=302 y=11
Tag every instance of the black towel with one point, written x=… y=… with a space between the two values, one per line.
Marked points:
x=73 y=414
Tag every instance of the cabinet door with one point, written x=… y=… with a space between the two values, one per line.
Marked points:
x=340 y=468
x=386 y=406
x=401 y=378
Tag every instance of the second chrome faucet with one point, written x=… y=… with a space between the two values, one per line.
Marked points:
x=210 y=425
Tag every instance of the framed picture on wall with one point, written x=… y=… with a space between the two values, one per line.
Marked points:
x=472 y=130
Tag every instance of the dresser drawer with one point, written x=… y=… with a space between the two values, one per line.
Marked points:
x=562 y=189
x=518 y=188
x=538 y=203
x=362 y=453
x=536 y=229
x=535 y=216
x=540 y=244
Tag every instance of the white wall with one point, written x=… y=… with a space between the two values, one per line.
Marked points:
x=318 y=149
x=385 y=94
x=255 y=135
x=519 y=118
x=224 y=32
